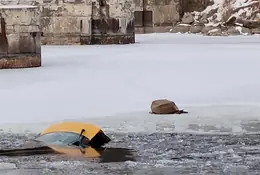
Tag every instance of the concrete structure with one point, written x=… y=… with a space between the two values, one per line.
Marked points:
x=20 y=45
x=66 y=22
x=113 y=21
x=162 y=15
x=156 y=15
x=88 y=22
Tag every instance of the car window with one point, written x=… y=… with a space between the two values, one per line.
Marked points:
x=59 y=138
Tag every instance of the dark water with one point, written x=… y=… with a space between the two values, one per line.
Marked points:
x=154 y=154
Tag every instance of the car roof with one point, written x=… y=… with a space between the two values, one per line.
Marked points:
x=74 y=127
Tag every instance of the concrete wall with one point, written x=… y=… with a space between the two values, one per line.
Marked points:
x=107 y=21
x=20 y=36
x=85 y=21
x=21 y=26
x=66 y=21
x=113 y=20
x=163 y=13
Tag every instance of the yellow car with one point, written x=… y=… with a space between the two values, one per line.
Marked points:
x=75 y=139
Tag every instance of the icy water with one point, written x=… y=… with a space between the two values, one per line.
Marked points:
x=156 y=154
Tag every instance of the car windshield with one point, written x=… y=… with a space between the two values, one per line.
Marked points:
x=59 y=138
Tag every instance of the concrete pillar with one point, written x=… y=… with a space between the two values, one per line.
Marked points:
x=66 y=22
x=113 y=22
x=20 y=36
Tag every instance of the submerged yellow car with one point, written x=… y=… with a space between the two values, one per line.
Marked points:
x=74 y=134
x=74 y=139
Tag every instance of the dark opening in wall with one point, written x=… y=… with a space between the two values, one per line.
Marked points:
x=138 y=18
x=102 y=3
x=114 y=25
x=148 y=18
x=81 y=25
x=3 y=37
x=143 y=18
x=33 y=34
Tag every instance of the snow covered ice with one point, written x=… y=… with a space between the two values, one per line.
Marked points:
x=216 y=79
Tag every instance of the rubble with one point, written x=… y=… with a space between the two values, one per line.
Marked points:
x=224 y=17
x=187 y=18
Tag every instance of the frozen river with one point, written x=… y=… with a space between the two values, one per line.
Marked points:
x=216 y=79
x=156 y=154
x=194 y=143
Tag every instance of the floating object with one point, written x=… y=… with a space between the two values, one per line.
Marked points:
x=164 y=106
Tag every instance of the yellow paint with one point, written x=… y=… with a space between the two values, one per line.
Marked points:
x=76 y=152
x=75 y=127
